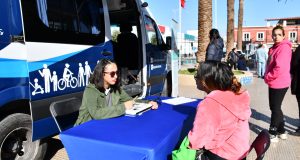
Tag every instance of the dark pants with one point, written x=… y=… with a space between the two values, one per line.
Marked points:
x=210 y=156
x=277 y=120
x=298 y=100
x=232 y=65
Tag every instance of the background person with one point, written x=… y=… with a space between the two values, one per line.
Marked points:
x=214 y=50
x=242 y=63
x=221 y=124
x=278 y=78
x=233 y=58
x=103 y=98
x=262 y=57
x=295 y=86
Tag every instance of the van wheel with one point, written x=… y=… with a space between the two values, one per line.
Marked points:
x=15 y=139
x=167 y=90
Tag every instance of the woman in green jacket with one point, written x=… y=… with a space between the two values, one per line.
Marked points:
x=103 y=98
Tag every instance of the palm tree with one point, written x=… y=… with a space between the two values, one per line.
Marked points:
x=204 y=26
x=240 y=24
x=230 y=25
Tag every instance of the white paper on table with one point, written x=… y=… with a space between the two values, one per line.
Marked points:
x=178 y=100
x=138 y=108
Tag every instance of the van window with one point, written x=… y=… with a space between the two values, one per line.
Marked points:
x=151 y=33
x=115 y=31
x=67 y=21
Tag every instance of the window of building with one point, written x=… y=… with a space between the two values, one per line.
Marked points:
x=292 y=36
x=246 y=36
x=260 y=36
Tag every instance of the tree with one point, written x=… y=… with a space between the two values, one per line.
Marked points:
x=230 y=26
x=204 y=26
x=115 y=35
x=240 y=25
x=153 y=39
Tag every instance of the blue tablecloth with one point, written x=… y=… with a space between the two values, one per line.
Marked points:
x=150 y=136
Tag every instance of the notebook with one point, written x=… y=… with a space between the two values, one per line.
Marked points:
x=138 y=108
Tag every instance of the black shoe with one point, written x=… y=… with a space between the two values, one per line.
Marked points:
x=297 y=132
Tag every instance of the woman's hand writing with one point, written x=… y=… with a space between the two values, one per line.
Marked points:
x=128 y=104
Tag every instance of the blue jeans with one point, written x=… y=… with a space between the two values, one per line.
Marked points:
x=261 y=67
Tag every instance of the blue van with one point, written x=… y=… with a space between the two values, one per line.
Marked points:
x=48 y=49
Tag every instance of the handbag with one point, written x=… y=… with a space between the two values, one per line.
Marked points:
x=184 y=153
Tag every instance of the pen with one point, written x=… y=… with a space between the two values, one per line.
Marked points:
x=134 y=99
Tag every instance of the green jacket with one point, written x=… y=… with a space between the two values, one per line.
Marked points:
x=94 y=105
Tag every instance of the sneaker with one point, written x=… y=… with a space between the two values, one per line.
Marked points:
x=274 y=138
x=283 y=136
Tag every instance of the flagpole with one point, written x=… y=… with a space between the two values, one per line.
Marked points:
x=216 y=13
x=180 y=35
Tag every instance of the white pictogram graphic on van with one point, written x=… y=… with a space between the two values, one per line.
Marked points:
x=68 y=80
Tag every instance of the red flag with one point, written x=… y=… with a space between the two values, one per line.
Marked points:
x=182 y=3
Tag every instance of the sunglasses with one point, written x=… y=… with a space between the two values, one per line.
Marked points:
x=112 y=74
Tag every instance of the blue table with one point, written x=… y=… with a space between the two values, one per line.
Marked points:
x=151 y=136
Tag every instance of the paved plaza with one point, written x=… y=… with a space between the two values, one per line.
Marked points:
x=285 y=149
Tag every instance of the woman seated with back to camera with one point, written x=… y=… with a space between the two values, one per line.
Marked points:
x=221 y=124
x=103 y=98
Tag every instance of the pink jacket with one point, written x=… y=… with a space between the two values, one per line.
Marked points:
x=277 y=73
x=221 y=124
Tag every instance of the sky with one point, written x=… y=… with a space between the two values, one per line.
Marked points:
x=255 y=12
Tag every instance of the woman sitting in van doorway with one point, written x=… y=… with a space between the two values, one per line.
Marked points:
x=103 y=98
x=221 y=124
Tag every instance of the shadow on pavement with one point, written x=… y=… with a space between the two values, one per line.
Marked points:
x=259 y=116
x=255 y=128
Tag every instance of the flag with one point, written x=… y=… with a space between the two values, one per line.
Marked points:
x=182 y=3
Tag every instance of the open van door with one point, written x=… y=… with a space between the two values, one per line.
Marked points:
x=156 y=57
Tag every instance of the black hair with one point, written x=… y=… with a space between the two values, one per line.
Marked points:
x=98 y=74
x=217 y=76
x=259 y=45
x=214 y=36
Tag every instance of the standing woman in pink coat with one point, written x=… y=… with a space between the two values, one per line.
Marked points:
x=278 y=78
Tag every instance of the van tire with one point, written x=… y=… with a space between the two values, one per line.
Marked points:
x=16 y=139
